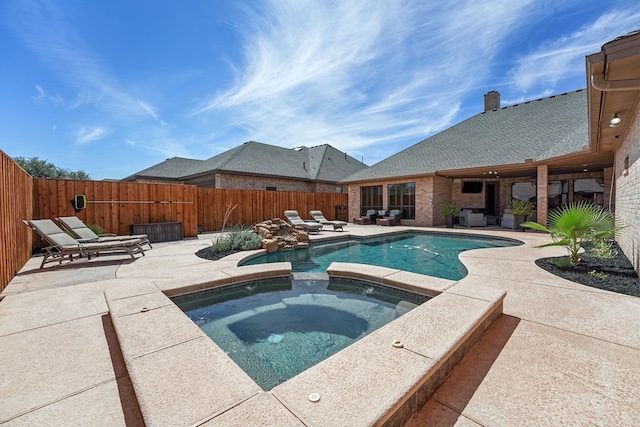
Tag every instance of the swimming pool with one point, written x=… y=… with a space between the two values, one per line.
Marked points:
x=433 y=254
x=276 y=329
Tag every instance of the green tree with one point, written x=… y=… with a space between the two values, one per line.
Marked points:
x=43 y=169
x=575 y=225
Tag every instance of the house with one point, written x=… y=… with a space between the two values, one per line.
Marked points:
x=550 y=151
x=257 y=166
x=614 y=126
x=535 y=151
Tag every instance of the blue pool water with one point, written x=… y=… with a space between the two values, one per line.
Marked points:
x=276 y=329
x=431 y=254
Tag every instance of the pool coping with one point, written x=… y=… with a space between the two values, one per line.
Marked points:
x=175 y=368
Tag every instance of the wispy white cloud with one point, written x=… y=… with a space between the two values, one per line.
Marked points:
x=43 y=28
x=85 y=136
x=563 y=58
x=43 y=97
x=357 y=74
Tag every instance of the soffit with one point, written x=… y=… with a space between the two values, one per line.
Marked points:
x=618 y=60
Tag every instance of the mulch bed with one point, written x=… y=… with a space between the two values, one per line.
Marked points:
x=620 y=275
x=207 y=253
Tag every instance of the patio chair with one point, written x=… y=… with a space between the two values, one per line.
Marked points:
x=308 y=226
x=470 y=219
x=61 y=244
x=392 y=219
x=84 y=234
x=366 y=218
x=319 y=217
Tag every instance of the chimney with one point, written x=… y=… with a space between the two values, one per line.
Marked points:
x=491 y=100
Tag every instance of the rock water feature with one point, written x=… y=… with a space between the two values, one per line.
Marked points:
x=279 y=235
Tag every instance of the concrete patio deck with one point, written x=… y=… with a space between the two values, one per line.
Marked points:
x=561 y=354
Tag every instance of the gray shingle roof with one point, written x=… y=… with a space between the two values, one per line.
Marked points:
x=172 y=168
x=320 y=163
x=538 y=130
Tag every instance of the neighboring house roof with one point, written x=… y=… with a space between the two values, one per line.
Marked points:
x=172 y=168
x=536 y=130
x=320 y=163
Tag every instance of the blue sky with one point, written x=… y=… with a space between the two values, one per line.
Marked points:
x=114 y=87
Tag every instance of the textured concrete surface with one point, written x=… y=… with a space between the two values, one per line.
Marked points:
x=562 y=354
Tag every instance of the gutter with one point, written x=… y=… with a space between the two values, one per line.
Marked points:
x=600 y=83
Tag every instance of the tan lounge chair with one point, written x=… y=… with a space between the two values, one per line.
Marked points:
x=84 y=234
x=308 y=226
x=319 y=217
x=61 y=244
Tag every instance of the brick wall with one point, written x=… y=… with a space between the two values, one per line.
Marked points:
x=443 y=188
x=424 y=199
x=627 y=193
x=542 y=195
x=467 y=200
x=248 y=182
x=242 y=182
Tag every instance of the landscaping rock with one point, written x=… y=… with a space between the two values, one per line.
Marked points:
x=270 y=245
x=279 y=235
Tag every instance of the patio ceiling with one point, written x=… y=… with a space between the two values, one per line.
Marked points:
x=575 y=163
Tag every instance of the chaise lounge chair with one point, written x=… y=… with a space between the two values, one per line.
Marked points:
x=308 y=226
x=319 y=217
x=62 y=244
x=84 y=234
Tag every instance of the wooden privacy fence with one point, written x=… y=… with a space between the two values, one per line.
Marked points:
x=115 y=205
x=16 y=204
x=257 y=205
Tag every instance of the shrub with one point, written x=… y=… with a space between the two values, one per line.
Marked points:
x=241 y=237
x=96 y=229
x=521 y=207
x=221 y=244
x=561 y=262
x=603 y=248
x=598 y=274
x=449 y=210
x=575 y=225
x=247 y=241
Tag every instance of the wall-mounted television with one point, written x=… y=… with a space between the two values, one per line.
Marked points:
x=472 y=187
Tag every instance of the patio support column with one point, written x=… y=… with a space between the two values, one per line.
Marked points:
x=542 y=194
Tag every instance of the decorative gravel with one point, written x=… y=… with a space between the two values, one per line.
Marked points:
x=620 y=275
x=207 y=253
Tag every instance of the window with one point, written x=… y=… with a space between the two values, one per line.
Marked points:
x=524 y=191
x=625 y=172
x=403 y=197
x=557 y=194
x=589 y=190
x=270 y=188
x=371 y=198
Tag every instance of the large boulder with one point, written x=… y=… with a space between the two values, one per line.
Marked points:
x=279 y=235
x=270 y=245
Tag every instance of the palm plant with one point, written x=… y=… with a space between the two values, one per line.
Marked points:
x=575 y=225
